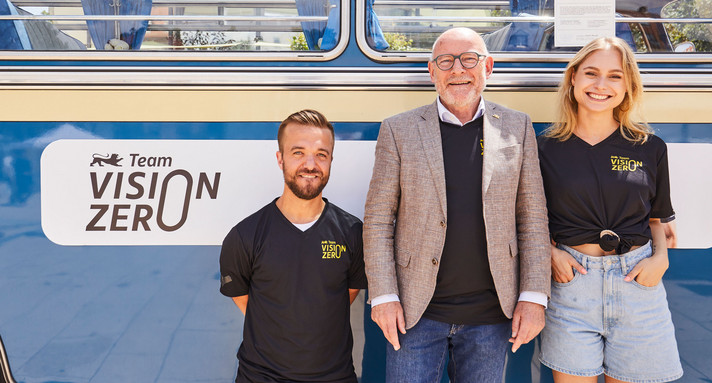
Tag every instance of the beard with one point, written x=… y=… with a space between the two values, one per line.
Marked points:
x=308 y=191
x=457 y=98
x=460 y=100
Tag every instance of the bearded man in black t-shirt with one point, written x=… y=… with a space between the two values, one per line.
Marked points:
x=298 y=262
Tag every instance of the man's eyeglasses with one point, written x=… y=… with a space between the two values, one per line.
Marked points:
x=468 y=60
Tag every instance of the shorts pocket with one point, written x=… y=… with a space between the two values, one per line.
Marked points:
x=575 y=279
x=642 y=287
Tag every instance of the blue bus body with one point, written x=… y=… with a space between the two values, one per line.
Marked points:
x=77 y=308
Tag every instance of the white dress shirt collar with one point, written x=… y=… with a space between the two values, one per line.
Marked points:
x=447 y=116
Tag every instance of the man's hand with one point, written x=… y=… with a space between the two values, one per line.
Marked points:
x=527 y=322
x=389 y=317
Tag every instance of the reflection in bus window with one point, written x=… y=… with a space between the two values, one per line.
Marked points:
x=170 y=25
x=655 y=26
x=689 y=37
x=374 y=33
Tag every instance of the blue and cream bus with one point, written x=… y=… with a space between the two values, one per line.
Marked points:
x=135 y=133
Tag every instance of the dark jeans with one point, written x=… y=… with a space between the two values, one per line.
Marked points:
x=477 y=353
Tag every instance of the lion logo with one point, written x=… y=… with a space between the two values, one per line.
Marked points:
x=101 y=160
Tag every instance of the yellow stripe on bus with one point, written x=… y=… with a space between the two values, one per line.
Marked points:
x=129 y=105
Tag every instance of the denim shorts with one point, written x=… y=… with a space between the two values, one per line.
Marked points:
x=598 y=323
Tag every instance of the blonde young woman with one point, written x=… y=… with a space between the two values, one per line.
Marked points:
x=608 y=194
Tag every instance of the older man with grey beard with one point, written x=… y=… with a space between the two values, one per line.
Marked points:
x=456 y=243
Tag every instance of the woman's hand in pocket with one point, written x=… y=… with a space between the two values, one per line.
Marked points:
x=563 y=265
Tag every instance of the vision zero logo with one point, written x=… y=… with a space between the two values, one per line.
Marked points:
x=146 y=194
x=331 y=250
x=625 y=164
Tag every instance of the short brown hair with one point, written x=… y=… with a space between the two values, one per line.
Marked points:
x=306 y=117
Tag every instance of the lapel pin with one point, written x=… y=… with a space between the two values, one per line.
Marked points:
x=495 y=115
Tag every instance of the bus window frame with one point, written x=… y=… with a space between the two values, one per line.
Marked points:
x=188 y=56
x=556 y=57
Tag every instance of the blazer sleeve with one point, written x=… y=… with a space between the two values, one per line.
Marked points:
x=380 y=212
x=532 y=221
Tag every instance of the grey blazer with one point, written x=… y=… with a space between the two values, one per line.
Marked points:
x=406 y=210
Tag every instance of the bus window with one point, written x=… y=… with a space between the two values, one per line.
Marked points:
x=689 y=37
x=398 y=28
x=173 y=25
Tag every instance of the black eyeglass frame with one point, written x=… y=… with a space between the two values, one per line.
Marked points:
x=458 y=57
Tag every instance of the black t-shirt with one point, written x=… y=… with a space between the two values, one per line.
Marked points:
x=297 y=326
x=465 y=291
x=616 y=185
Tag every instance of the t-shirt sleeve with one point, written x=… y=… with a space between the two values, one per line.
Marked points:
x=235 y=266
x=661 y=206
x=357 y=273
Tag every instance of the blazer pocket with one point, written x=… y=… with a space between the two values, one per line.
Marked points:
x=510 y=149
x=513 y=247
x=508 y=160
x=402 y=257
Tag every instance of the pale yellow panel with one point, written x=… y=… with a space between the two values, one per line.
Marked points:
x=211 y=105
x=242 y=105
x=678 y=107
x=657 y=107
x=539 y=105
x=202 y=105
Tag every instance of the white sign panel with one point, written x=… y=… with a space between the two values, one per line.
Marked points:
x=174 y=192
x=191 y=192
x=690 y=186
x=577 y=22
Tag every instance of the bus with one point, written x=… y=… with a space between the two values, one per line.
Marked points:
x=135 y=133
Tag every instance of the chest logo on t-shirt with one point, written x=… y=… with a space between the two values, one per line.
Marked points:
x=625 y=164
x=482 y=147
x=332 y=250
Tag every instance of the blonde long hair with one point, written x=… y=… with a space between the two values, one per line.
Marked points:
x=635 y=131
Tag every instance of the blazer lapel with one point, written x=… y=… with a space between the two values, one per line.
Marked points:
x=491 y=132
x=429 y=130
